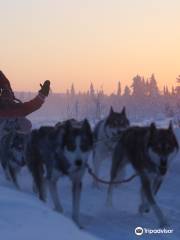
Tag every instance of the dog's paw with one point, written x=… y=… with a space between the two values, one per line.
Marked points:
x=143 y=208
x=164 y=224
x=80 y=226
x=59 y=210
x=77 y=222
x=17 y=187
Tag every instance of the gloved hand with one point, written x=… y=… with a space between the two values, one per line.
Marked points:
x=45 y=88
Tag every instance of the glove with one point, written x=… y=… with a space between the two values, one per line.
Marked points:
x=45 y=88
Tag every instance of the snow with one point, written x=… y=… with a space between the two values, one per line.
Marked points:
x=23 y=216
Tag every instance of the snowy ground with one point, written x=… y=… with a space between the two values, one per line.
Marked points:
x=23 y=216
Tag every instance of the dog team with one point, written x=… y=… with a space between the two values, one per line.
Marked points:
x=52 y=152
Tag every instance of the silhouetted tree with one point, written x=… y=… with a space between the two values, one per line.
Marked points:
x=92 y=91
x=98 y=103
x=178 y=86
x=153 y=88
x=119 y=89
x=77 y=109
x=127 y=92
x=72 y=90
x=166 y=91
x=138 y=86
x=173 y=93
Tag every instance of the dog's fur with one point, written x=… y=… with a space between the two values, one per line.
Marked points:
x=59 y=150
x=149 y=150
x=12 y=153
x=106 y=134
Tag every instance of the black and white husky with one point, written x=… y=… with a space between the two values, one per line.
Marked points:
x=56 y=151
x=150 y=151
x=12 y=151
x=106 y=134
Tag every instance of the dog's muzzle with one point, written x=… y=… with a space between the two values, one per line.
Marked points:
x=78 y=163
x=163 y=167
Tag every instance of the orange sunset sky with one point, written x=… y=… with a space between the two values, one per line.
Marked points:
x=84 y=41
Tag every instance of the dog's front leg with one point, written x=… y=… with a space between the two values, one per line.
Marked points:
x=97 y=161
x=5 y=167
x=54 y=194
x=13 y=174
x=118 y=164
x=76 y=194
x=144 y=206
x=146 y=185
x=157 y=184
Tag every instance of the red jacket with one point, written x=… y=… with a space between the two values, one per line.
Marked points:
x=17 y=109
x=22 y=109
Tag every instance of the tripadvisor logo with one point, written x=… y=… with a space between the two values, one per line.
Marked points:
x=139 y=231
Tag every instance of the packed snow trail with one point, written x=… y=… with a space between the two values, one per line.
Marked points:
x=23 y=216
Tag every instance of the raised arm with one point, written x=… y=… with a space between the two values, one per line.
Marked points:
x=24 y=109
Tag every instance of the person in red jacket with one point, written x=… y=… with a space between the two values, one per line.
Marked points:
x=12 y=108
x=9 y=107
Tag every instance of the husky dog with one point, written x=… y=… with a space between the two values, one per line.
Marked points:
x=12 y=154
x=56 y=151
x=106 y=134
x=149 y=150
x=44 y=149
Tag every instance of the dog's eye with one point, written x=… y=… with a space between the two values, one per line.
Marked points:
x=71 y=146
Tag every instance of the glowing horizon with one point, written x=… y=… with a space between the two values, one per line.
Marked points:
x=86 y=41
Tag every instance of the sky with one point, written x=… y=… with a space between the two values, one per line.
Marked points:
x=84 y=41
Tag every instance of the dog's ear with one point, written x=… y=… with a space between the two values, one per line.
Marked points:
x=150 y=133
x=153 y=128
x=111 y=110
x=88 y=131
x=86 y=125
x=123 y=111
x=66 y=131
x=170 y=127
x=68 y=126
x=58 y=124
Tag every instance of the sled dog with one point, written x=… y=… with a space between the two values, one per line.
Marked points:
x=56 y=151
x=149 y=150
x=12 y=151
x=106 y=134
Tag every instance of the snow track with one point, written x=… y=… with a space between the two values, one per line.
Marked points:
x=23 y=216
